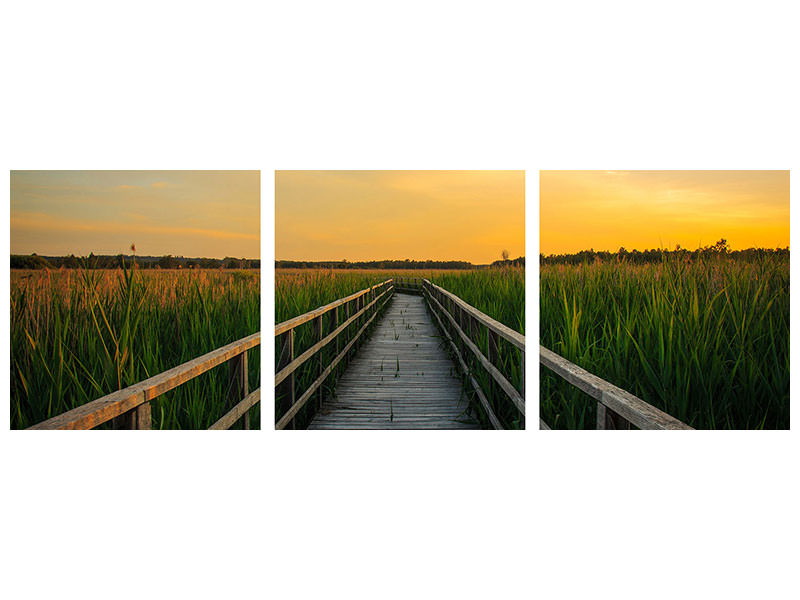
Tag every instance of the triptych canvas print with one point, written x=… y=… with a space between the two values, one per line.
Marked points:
x=399 y=300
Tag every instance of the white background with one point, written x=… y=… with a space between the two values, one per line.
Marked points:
x=460 y=85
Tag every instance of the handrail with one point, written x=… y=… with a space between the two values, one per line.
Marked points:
x=318 y=312
x=444 y=303
x=408 y=283
x=616 y=408
x=131 y=406
x=286 y=363
x=511 y=336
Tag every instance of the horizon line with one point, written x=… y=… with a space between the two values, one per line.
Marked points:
x=387 y=259
x=127 y=255
x=668 y=249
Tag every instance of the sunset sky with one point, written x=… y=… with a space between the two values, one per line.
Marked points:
x=419 y=215
x=604 y=210
x=210 y=214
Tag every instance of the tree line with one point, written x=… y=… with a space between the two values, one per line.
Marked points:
x=392 y=264
x=657 y=255
x=34 y=261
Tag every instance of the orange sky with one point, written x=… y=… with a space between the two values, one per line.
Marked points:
x=604 y=210
x=419 y=215
x=210 y=214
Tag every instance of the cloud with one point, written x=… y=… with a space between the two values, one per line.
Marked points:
x=159 y=184
x=126 y=187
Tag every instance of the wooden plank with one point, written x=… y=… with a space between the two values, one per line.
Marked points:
x=629 y=407
x=385 y=388
x=104 y=409
x=306 y=317
x=511 y=336
x=241 y=409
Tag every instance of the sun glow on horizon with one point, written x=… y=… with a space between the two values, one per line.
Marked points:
x=390 y=215
x=209 y=214
x=606 y=210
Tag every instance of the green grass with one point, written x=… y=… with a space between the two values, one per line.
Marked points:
x=79 y=335
x=706 y=342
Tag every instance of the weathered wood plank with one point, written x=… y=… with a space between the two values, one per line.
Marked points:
x=104 y=409
x=629 y=407
x=241 y=409
x=400 y=378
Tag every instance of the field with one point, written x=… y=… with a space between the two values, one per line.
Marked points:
x=78 y=335
x=500 y=293
x=705 y=341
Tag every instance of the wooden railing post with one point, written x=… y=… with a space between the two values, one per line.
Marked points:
x=320 y=358
x=144 y=417
x=348 y=330
x=493 y=355
x=335 y=325
x=245 y=387
x=608 y=419
x=137 y=418
x=361 y=317
x=238 y=383
x=286 y=387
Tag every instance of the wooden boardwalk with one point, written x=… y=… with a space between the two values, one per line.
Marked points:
x=401 y=378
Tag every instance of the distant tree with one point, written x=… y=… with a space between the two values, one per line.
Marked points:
x=167 y=262
x=504 y=255
x=234 y=263
x=20 y=261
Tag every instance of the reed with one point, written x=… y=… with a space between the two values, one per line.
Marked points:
x=705 y=341
x=79 y=335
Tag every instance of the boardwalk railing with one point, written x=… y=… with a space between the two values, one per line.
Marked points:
x=464 y=327
x=616 y=408
x=130 y=408
x=342 y=333
x=408 y=284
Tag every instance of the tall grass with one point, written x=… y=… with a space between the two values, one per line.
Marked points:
x=500 y=293
x=79 y=335
x=707 y=342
